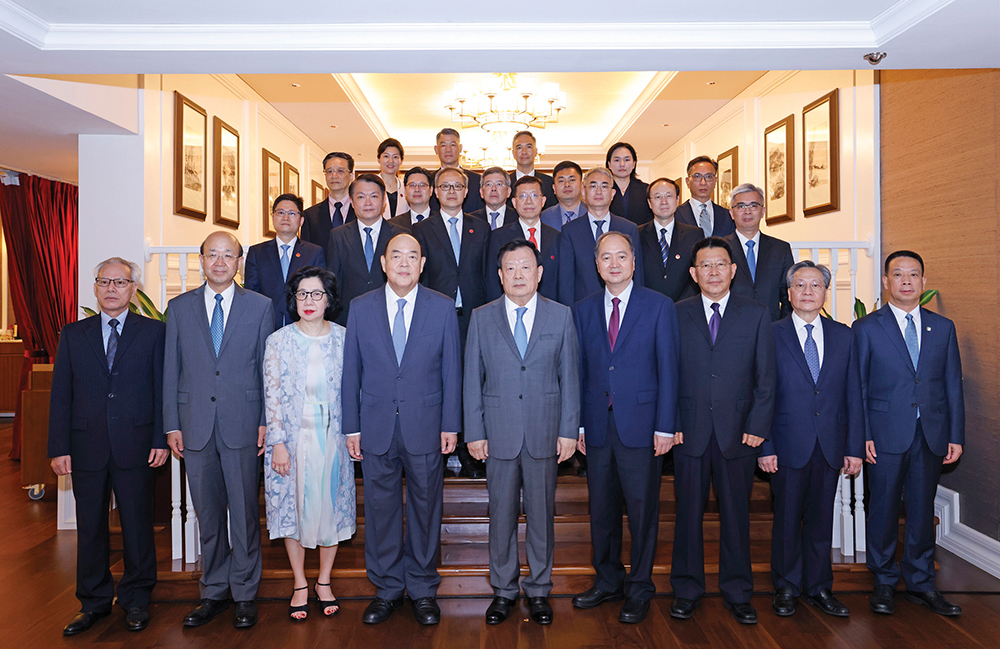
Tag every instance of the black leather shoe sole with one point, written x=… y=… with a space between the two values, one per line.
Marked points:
x=595 y=597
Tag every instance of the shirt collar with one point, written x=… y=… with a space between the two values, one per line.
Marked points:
x=391 y=297
x=755 y=239
x=512 y=308
x=722 y=303
x=291 y=243
x=105 y=319
x=622 y=297
x=800 y=324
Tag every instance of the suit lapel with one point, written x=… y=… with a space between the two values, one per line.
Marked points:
x=740 y=257
x=295 y=260
x=128 y=334
x=891 y=326
x=417 y=322
x=271 y=257
x=500 y=315
x=96 y=338
x=636 y=303
x=542 y=313
x=386 y=232
x=356 y=249
x=733 y=313
x=235 y=314
x=382 y=314
x=790 y=339
x=444 y=239
x=697 y=314
x=202 y=316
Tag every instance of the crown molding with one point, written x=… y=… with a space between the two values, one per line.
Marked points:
x=353 y=91
x=902 y=16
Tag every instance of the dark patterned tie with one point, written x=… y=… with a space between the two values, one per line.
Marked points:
x=714 y=322
x=664 y=246
x=112 y=342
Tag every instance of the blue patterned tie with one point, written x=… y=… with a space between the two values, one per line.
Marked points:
x=752 y=261
x=369 y=248
x=493 y=219
x=911 y=340
x=217 y=324
x=812 y=353
x=597 y=231
x=112 y=342
x=569 y=217
x=456 y=246
x=664 y=246
x=285 y=260
x=399 y=331
x=520 y=333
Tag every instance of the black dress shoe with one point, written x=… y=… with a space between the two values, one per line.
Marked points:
x=499 y=610
x=881 y=600
x=595 y=597
x=205 y=611
x=742 y=613
x=426 y=610
x=136 y=618
x=935 y=601
x=682 y=609
x=541 y=610
x=783 y=602
x=826 y=602
x=380 y=610
x=246 y=615
x=83 y=621
x=633 y=610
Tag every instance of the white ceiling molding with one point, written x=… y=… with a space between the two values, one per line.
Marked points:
x=649 y=94
x=902 y=16
x=361 y=103
x=22 y=23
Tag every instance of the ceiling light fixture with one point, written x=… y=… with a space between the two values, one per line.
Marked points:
x=875 y=57
x=295 y=85
x=505 y=104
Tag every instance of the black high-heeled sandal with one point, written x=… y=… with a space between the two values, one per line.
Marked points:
x=325 y=604
x=292 y=610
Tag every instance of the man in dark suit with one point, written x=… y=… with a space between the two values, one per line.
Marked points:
x=700 y=211
x=524 y=148
x=213 y=412
x=338 y=167
x=355 y=248
x=402 y=409
x=269 y=264
x=762 y=262
x=817 y=430
x=911 y=383
x=567 y=184
x=578 y=276
x=666 y=244
x=418 y=186
x=630 y=197
x=106 y=430
x=522 y=411
x=448 y=148
x=726 y=402
x=495 y=190
x=528 y=201
x=628 y=370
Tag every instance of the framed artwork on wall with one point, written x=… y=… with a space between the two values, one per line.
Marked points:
x=779 y=170
x=291 y=175
x=318 y=193
x=821 y=155
x=226 y=173
x=190 y=154
x=271 y=182
x=729 y=170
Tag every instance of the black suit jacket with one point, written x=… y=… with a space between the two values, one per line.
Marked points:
x=673 y=279
x=318 y=223
x=722 y=227
x=548 y=188
x=96 y=414
x=345 y=256
x=771 y=286
x=405 y=220
x=638 y=207
x=549 y=285
x=509 y=215
x=473 y=201
x=262 y=272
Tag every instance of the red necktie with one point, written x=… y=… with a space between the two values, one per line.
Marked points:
x=613 y=324
x=531 y=237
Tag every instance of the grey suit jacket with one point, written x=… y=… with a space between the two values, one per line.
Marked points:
x=517 y=403
x=200 y=390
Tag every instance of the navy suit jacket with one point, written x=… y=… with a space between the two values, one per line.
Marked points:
x=262 y=272
x=549 y=285
x=893 y=391
x=638 y=211
x=552 y=216
x=548 y=190
x=318 y=222
x=722 y=227
x=345 y=256
x=425 y=391
x=98 y=414
x=828 y=411
x=727 y=388
x=578 y=275
x=674 y=278
x=509 y=215
x=473 y=200
x=771 y=285
x=642 y=381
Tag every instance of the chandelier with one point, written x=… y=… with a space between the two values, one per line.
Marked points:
x=505 y=104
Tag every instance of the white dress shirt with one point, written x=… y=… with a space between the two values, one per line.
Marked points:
x=707 y=303
x=376 y=228
x=529 y=316
x=538 y=232
x=423 y=215
x=392 y=306
x=447 y=226
x=901 y=321
x=756 y=244
x=668 y=227
x=106 y=328
x=817 y=332
x=593 y=223
x=488 y=213
x=291 y=243
x=227 y=302
x=696 y=208
x=518 y=175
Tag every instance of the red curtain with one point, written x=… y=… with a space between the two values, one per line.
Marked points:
x=40 y=227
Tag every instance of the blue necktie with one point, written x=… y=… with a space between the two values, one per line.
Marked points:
x=369 y=248
x=285 y=260
x=663 y=245
x=399 y=331
x=569 y=217
x=812 y=353
x=520 y=333
x=456 y=246
x=751 y=261
x=493 y=219
x=217 y=324
x=597 y=231
x=112 y=342
x=911 y=340
x=420 y=217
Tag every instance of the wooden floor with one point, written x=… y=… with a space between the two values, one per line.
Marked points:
x=37 y=581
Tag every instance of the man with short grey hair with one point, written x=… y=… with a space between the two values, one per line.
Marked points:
x=448 y=148
x=495 y=190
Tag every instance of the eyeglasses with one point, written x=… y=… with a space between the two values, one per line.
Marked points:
x=526 y=195
x=497 y=184
x=659 y=196
x=747 y=206
x=291 y=213
x=703 y=177
x=451 y=187
x=226 y=257
x=801 y=286
x=596 y=185
x=713 y=265
x=336 y=171
x=120 y=282
x=417 y=185
x=315 y=295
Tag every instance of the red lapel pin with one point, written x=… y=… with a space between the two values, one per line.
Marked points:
x=471 y=231
x=299 y=254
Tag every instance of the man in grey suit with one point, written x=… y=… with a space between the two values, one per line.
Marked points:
x=522 y=408
x=214 y=414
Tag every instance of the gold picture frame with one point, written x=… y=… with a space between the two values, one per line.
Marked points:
x=779 y=171
x=226 y=173
x=190 y=158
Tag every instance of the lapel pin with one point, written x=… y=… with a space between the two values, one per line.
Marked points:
x=298 y=254
x=552 y=256
x=471 y=231
x=928 y=328
x=677 y=256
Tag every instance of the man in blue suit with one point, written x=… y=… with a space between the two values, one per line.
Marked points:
x=818 y=429
x=402 y=410
x=269 y=264
x=629 y=377
x=578 y=277
x=911 y=383
x=567 y=184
